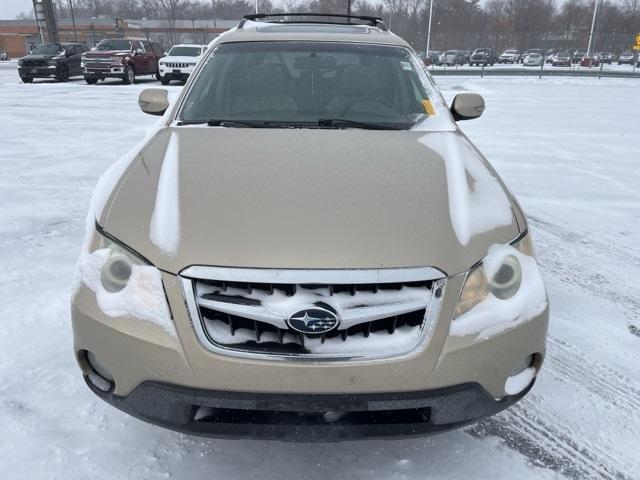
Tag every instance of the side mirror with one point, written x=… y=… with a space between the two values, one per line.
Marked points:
x=153 y=101
x=139 y=51
x=467 y=106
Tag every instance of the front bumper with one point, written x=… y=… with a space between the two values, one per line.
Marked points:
x=113 y=71
x=175 y=73
x=295 y=417
x=38 y=72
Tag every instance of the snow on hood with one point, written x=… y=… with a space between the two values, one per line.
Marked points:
x=477 y=202
x=303 y=198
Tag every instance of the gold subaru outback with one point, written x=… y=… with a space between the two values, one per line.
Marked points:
x=306 y=247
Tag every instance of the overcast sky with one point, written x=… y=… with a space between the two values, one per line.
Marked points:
x=10 y=8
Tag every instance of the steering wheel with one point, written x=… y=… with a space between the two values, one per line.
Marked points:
x=381 y=100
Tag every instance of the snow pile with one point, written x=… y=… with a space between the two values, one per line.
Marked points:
x=477 y=202
x=165 y=221
x=517 y=383
x=142 y=298
x=493 y=315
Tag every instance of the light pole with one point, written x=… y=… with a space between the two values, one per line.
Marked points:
x=429 y=28
x=73 y=21
x=593 y=24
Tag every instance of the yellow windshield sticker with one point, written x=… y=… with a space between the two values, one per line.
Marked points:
x=428 y=107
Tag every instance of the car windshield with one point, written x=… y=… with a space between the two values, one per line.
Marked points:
x=511 y=52
x=452 y=52
x=312 y=84
x=48 y=49
x=106 y=45
x=184 y=52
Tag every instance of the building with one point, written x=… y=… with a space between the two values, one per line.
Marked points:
x=17 y=36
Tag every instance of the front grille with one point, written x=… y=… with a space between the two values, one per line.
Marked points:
x=101 y=61
x=34 y=63
x=177 y=65
x=380 y=318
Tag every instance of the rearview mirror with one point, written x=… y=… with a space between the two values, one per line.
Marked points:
x=153 y=101
x=467 y=106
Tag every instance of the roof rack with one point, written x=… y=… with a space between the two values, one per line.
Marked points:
x=372 y=21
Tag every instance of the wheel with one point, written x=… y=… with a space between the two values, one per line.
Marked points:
x=91 y=80
x=129 y=75
x=26 y=79
x=164 y=80
x=63 y=74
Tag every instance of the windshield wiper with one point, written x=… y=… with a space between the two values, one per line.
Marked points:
x=234 y=123
x=345 y=123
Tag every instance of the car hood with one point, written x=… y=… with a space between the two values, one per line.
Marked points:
x=181 y=59
x=309 y=198
x=105 y=53
x=42 y=57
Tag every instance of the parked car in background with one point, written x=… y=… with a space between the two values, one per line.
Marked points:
x=180 y=62
x=453 y=57
x=626 y=58
x=533 y=60
x=529 y=52
x=550 y=56
x=577 y=55
x=3 y=55
x=606 y=57
x=433 y=58
x=592 y=61
x=124 y=58
x=562 y=59
x=466 y=56
x=509 y=56
x=52 y=60
x=483 y=56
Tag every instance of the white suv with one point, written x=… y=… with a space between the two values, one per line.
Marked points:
x=180 y=62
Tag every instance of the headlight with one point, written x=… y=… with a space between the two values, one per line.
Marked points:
x=20 y=63
x=116 y=60
x=116 y=271
x=500 y=277
x=51 y=62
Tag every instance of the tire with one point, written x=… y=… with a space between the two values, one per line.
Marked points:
x=26 y=79
x=129 y=75
x=91 y=80
x=63 y=76
x=158 y=77
x=165 y=80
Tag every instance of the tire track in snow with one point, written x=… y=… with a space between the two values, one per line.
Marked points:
x=560 y=260
x=549 y=444
x=570 y=365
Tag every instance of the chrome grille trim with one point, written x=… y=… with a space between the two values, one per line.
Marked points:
x=177 y=65
x=314 y=276
x=431 y=306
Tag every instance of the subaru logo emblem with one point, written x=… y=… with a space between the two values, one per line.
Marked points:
x=314 y=320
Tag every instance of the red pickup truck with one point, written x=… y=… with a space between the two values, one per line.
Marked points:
x=125 y=58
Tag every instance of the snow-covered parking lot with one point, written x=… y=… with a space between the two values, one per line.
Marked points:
x=568 y=148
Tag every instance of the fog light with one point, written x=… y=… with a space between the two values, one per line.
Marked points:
x=523 y=365
x=99 y=376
